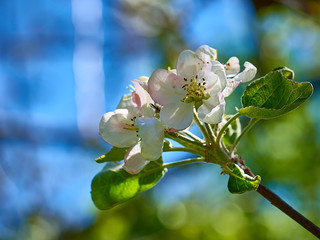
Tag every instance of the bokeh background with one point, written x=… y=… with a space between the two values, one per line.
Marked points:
x=65 y=63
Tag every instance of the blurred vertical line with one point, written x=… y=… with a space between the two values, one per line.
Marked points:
x=88 y=65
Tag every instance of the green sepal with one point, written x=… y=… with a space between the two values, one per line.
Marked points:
x=113 y=185
x=274 y=94
x=240 y=182
x=114 y=155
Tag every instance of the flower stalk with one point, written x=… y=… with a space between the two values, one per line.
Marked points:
x=201 y=127
x=224 y=128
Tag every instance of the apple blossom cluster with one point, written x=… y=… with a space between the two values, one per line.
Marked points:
x=167 y=102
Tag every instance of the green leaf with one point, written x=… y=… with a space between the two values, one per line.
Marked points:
x=287 y=72
x=274 y=95
x=113 y=185
x=114 y=155
x=240 y=182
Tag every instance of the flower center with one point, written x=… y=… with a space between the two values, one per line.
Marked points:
x=130 y=125
x=195 y=90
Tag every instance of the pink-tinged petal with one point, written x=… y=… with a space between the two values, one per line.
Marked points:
x=232 y=67
x=151 y=132
x=247 y=74
x=133 y=162
x=177 y=115
x=116 y=128
x=142 y=100
x=143 y=81
x=207 y=53
x=212 y=110
x=188 y=64
x=165 y=87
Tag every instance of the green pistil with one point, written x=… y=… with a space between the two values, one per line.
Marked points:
x=195 y=91
x=131 y=128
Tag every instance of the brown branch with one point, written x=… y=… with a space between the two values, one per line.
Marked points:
x=276 y=201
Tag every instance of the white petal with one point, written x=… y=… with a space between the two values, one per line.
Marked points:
x=151 y=132
x=177 y=115
x=212 y=110
x=231 y=86
x=232 y=67
x=165 y=87
x=174 y=71
x=133 y=162
x=218 y=69
x=188 y=64
x=207 y=53
x=213 y=84
x=142 y=100
x=114 y=130
x=247 y=74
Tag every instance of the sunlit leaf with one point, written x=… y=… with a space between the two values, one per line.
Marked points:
x=240 y=182
x=274 y=95
x=115 y=154
x=113 y=185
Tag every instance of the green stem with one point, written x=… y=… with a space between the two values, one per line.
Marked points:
x=220 y=134
x=246 y=129
x=191 y=135
x=169 y=165
x=211 y=152
x=183 y=162
x=203 y=130
x=210 y=132
x=217 y=155
x=224 y=147
x=182 y=149
x=197 y=147
x=215 y=127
